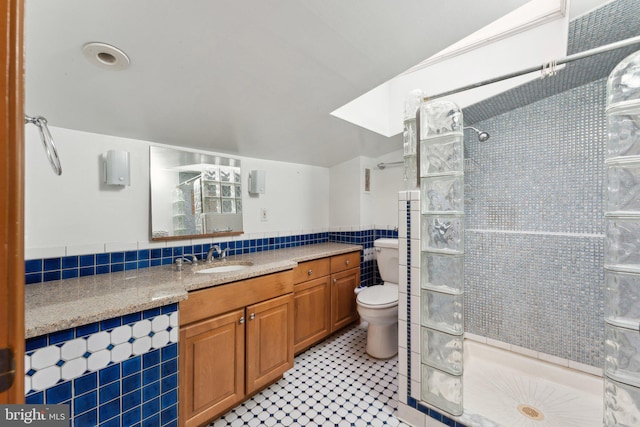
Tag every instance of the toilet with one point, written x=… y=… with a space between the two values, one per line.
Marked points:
x=378 y=305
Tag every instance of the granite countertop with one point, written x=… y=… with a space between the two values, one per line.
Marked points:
x=58 y=305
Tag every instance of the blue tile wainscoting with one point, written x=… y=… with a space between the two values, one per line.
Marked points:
x=69 y=267
x=369 y=274
x=117 y=372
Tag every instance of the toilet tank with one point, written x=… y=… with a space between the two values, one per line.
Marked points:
x=387 y=259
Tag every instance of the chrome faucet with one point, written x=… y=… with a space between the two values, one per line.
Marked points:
x=222 y=253
x=180 y=261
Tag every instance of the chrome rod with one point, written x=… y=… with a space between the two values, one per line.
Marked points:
x=385 y=164
x=47 y=141
x=545 y=67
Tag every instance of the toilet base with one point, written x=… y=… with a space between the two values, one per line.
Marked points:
x=382 y=340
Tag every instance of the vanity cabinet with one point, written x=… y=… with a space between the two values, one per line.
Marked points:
x=324 y=298
x=312 y=303
x=235 y=339
x=345 y=278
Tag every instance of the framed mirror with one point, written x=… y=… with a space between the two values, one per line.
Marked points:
x=194 y=194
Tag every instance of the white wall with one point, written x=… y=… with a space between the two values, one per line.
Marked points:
x=75 y=214
x=296 y=197
x=352 y=207
x=386 y=184
x=345 y=191
x=75 y=209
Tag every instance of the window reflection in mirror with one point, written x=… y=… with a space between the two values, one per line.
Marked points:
x=194 y=194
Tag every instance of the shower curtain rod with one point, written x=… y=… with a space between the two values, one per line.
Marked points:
x=546 y=69
x=385 y=164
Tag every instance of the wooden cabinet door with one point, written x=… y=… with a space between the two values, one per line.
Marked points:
x=312 y=312
x=211 y=367
x=269 y=350
x=343 y=298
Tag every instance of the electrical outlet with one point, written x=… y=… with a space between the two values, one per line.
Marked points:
x=263 y=214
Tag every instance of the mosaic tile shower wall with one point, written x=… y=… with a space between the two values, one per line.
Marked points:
x=535 y=229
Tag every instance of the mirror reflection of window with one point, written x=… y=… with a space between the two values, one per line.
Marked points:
x=194 y=194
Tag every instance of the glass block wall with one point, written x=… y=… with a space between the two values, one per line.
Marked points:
x=622 y=246
x=442 y=249
x=410 y=141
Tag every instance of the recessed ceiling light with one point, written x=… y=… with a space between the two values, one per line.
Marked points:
x=106 y=56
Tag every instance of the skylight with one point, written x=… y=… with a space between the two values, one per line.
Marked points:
x=533 y=34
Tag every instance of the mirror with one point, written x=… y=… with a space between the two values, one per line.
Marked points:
x=194 y=194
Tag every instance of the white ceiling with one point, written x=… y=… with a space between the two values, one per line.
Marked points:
x=253 y=78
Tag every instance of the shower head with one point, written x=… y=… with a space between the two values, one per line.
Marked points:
x=482 y=135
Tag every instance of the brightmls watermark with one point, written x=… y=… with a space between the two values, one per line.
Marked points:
x=34 y=415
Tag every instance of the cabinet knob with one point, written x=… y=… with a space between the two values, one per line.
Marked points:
x=252 y=316
x=348 y=262
x=242 y=320
x=335 y=280
x=310 y=272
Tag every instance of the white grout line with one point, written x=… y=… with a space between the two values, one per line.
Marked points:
x=538 y=233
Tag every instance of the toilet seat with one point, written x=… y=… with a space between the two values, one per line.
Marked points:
x=380 y=296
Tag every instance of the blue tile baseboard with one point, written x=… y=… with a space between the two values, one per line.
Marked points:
x=86 y=368
x=69 y=267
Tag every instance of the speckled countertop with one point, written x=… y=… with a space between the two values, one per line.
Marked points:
x=57 y=305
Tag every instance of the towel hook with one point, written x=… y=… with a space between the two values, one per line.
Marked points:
x=47 y=141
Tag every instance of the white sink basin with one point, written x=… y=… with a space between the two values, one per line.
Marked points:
x=225 y=267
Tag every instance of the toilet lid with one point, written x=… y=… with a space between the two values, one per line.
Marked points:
x=379 y=295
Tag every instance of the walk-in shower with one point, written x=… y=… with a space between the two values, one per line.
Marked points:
x=437 y=371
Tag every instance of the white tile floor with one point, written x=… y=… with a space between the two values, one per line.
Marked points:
x=334 y=383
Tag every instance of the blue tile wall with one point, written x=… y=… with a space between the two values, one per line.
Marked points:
x=69 y=267
x=141 y=390
x=44 y=270
x=369 y=274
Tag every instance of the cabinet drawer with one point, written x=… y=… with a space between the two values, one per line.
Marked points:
x=223 y=298
x=345 y=261
x=309 y=270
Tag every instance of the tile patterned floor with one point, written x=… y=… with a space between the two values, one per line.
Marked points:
x=334 y=383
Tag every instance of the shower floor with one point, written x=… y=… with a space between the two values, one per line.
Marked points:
x=502 y=388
